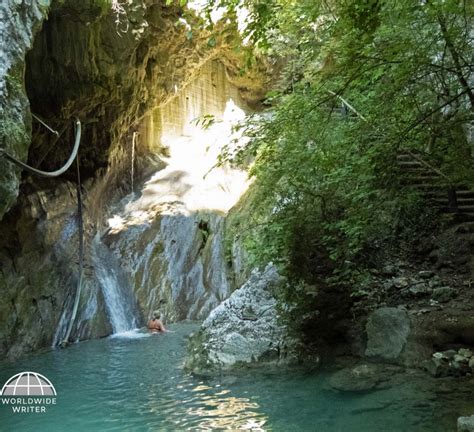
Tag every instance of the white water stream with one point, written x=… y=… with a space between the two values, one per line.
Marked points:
x=118 y=296
x=165 y=243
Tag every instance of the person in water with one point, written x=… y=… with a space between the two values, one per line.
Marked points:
x=155 y=324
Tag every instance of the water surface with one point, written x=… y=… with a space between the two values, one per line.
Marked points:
x=137 y=383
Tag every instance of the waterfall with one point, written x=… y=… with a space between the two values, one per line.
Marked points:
x=119 y=300
x=132 y=173
x=107 y=300
x=165 y=246
x=170 y=236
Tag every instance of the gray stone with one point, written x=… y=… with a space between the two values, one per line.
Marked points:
x=460 y=365
x=228 y=338
x=439 y=356
x=443 y=294
x=440 y=365
x=450 y=363
x=423 y=311
x=435 y=368
x=466 y=424
x=387 y=332
x=471 y=363
x=389 y=270
x=460 y=359
x=435 y=282
x=449 y=354
x=426 y=274
x=401 y=282
x=419 y=290
x=465 y=352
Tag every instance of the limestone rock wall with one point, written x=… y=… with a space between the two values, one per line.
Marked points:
x=170 y=243
x=19 y=22
x=83 y=65
x=38 y=256
x=170 y=234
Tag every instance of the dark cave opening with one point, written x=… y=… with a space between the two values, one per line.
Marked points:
x=61 y=87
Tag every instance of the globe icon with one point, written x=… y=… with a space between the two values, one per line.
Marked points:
x=28 y=384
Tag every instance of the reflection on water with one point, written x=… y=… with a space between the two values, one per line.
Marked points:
x=131 y=381
x=226 y=413
x=137 y=384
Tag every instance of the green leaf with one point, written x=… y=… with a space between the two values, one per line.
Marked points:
x=212 y=42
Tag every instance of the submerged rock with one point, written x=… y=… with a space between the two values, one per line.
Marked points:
x=362 y=378
x=244 y=329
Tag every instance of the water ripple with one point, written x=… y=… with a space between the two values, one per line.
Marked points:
x=130 y=384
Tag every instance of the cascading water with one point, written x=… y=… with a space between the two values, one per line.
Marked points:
x=165 y=245
x=132 y=168
x=120 y=302
x=170 y=238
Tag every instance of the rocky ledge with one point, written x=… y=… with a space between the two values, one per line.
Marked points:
x=243 y=330
x=451 y=363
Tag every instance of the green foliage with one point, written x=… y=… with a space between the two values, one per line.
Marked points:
x=327 y=195
x=14 y=83
x=13 y=133
x=104 y=5
x=205 y=121
x=181 y=3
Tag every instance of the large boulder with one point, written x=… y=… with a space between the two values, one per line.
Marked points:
x=387 y=333
x=244 y=329
x=466 y=424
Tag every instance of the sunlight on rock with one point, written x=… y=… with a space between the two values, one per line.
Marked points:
x=116 y=222
x=192 y=129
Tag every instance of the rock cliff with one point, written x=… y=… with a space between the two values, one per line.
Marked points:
x=19 y=22
x=120 y=80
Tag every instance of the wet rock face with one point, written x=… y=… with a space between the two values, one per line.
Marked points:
x=80 y=66
x=242 y=330
x=19 y=22
x=38 y=268
x=170 y=237
x=175 y=265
